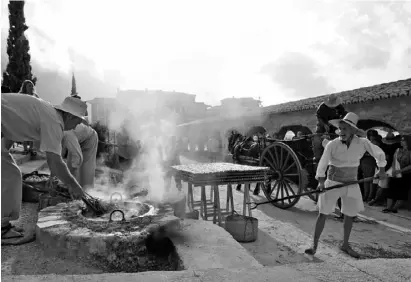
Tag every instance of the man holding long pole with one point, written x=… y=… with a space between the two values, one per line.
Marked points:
x=342 y=157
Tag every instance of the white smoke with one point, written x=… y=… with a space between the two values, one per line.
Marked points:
x=148 y=123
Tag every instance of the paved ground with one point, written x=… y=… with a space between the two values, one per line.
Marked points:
x=284 y=234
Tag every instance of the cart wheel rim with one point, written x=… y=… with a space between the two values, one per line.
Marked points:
x=287 y=178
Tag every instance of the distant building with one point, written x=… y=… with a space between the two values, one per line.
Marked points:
x=182 y=105
x=236 y=107
x=130 y=104
x=100 y=109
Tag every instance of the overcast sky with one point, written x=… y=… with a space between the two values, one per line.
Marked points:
x=276 y=50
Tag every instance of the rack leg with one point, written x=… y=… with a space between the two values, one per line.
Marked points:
x=229 y=197
x=246 y=200
x=214 y=206
x=217 y=192
x=190 y=198
x=203 y=209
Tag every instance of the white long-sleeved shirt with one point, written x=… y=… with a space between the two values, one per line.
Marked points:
x=337 y=153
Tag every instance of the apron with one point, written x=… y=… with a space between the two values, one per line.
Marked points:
x=11 y=186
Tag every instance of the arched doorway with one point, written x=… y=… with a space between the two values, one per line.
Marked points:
x=366 y=124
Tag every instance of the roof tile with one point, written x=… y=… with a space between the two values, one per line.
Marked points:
x=371 y=93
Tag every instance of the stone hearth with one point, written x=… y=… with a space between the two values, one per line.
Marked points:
x=116 y=245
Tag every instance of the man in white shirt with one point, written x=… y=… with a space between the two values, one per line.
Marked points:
x=342 y=157
x=25 y=118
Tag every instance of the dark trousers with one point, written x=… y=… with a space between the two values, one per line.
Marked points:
x=367 y=166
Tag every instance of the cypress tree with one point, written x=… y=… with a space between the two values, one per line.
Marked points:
x=18 y=68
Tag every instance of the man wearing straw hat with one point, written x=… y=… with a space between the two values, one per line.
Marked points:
x=81 y=145
x=26 y=118
x=342 y=157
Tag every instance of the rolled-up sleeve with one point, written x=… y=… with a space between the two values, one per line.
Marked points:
x=376 y=152
x=324 y=161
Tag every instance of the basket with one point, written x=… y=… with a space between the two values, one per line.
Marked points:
x=242 y=228
x=40 y=185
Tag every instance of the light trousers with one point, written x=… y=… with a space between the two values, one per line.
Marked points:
x=11 y=188
x=85 y=174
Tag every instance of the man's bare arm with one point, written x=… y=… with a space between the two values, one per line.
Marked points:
x=59 y=168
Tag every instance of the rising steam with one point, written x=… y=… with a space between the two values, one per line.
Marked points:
x=143 y=122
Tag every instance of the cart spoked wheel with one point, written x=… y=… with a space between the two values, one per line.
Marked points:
x=287 y=179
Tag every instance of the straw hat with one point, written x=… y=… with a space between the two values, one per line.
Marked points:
x=73 y=106
x=333 y=101
x=351 y=119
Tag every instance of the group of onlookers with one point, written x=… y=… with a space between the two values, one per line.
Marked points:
x=395 y=189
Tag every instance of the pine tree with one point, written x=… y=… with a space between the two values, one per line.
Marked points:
x=18 y=68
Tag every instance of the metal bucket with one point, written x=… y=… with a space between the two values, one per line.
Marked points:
x=242 y=228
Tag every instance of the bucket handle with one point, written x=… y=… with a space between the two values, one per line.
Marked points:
x=116 y=193
x=111 y=215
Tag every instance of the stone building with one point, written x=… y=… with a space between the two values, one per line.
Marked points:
x=384 y=105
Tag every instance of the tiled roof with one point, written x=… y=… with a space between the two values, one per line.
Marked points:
x=371 y=93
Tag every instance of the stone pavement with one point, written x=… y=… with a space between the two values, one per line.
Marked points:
x=211 y=254
x=279 y=273
x=362 y=271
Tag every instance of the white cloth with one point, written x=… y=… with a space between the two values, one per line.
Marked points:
x=351 y=199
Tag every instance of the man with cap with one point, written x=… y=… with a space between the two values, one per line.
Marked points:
x=342 y=158
x=81 y=146
x=329 y=110
x=26 y=118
